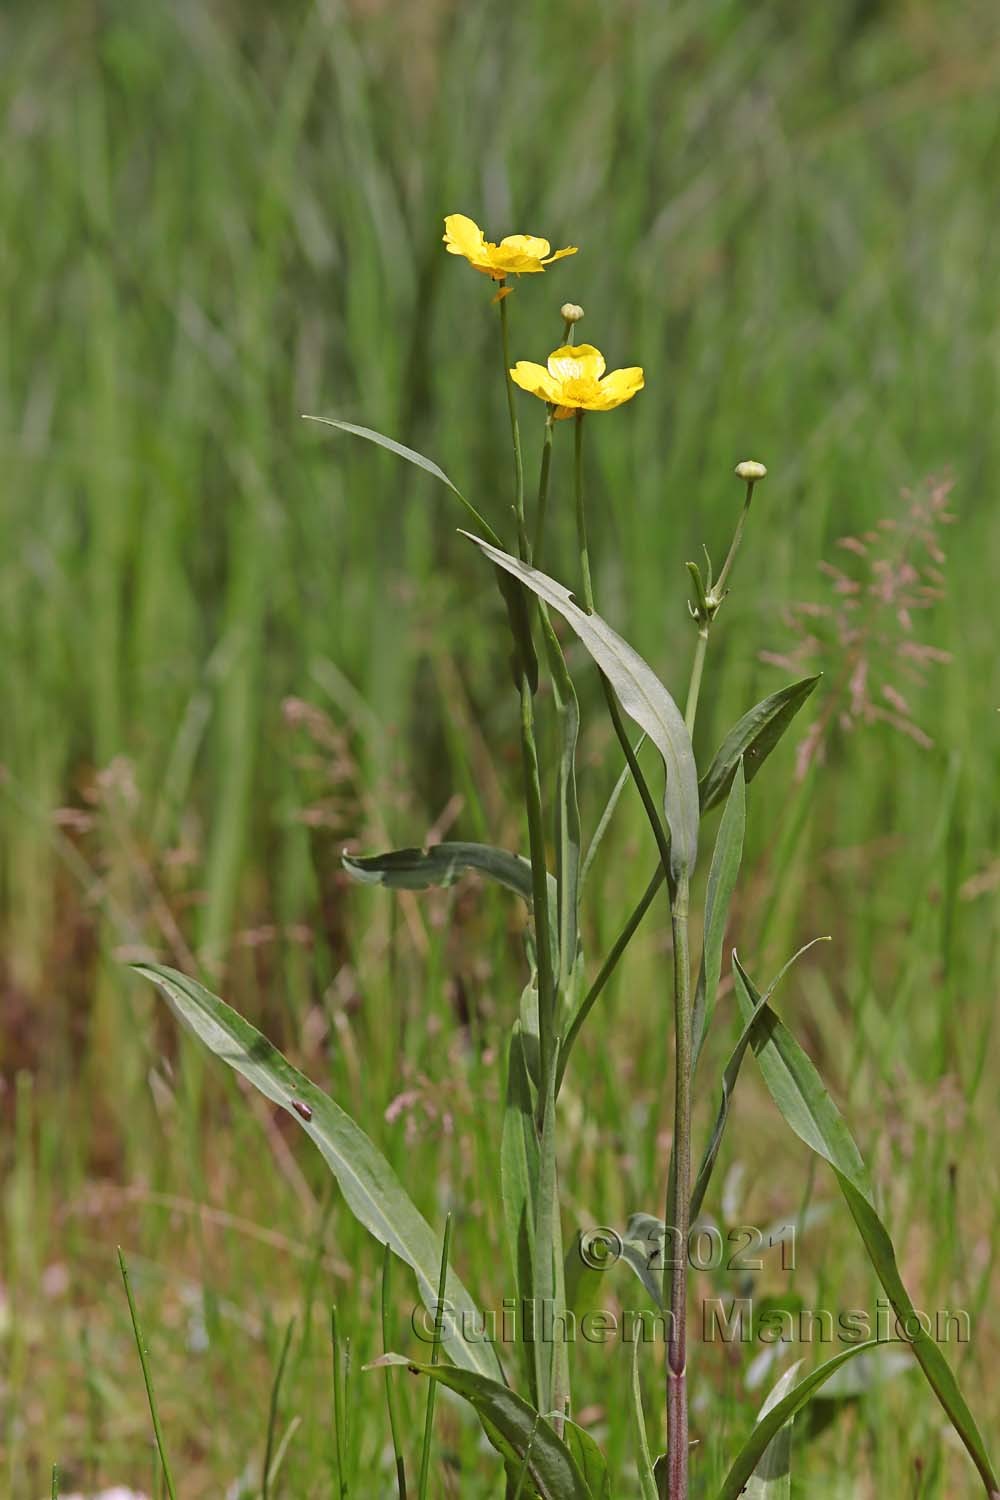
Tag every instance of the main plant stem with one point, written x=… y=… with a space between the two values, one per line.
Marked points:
x=678 y=1207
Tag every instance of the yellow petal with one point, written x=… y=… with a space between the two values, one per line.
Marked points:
x=568 y=250
x=576 y=362
x=536 y=379
x=526 y=244
x=511 y=261
x=463 y=236
x=619 y=386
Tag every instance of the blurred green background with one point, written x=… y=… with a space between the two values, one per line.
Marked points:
x=233 y=642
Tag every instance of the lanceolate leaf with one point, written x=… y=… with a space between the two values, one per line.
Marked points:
x=729 y=1077
x=773 y=1418
x=442 y=864
x=752 y=739
x=799 y=1092
x=589 y=1460
x=370 y=1187
x=552 y=1468
x=514 y=599
x=642 y=696
x=412 y=457
x=772 y=1478
x=725 y=867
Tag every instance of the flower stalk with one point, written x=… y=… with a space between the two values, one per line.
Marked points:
x=529 y=757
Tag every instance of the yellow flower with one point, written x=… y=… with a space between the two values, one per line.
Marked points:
x=513 y=256
x=575 y=380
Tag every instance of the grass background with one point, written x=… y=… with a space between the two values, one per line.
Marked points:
x=232 y=643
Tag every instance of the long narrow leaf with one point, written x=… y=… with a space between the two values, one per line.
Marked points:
x=514 y=599
x=604 y=822
x=772 y=1477
x=370 y=1187
x=642 y=696
x=589 y=1460
x=772 y=1420
x=412 y=457
x=442 y=864
x=799 y=1092
x=752 y=739
x=730 y=1074
x=551 y=1466
x=640 y=1443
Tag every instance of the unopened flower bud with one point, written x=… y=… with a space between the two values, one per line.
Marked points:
x=751 y=471
x=570 y=312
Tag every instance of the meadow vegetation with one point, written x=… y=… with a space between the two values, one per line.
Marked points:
x=234 y=642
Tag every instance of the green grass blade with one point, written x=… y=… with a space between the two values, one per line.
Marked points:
x=515 y=1425
x=147 y=1376
x=425 y=1454
x=640 y=1443
x=522 y=1473
x=642 y=696
x=799 y=1092
x=272 y=1414
x=752 y=739
x=370 y=1187
x=390 y=1389
x=339 y=1417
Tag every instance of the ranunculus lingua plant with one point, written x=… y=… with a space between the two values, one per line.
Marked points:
x=525 y=1399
